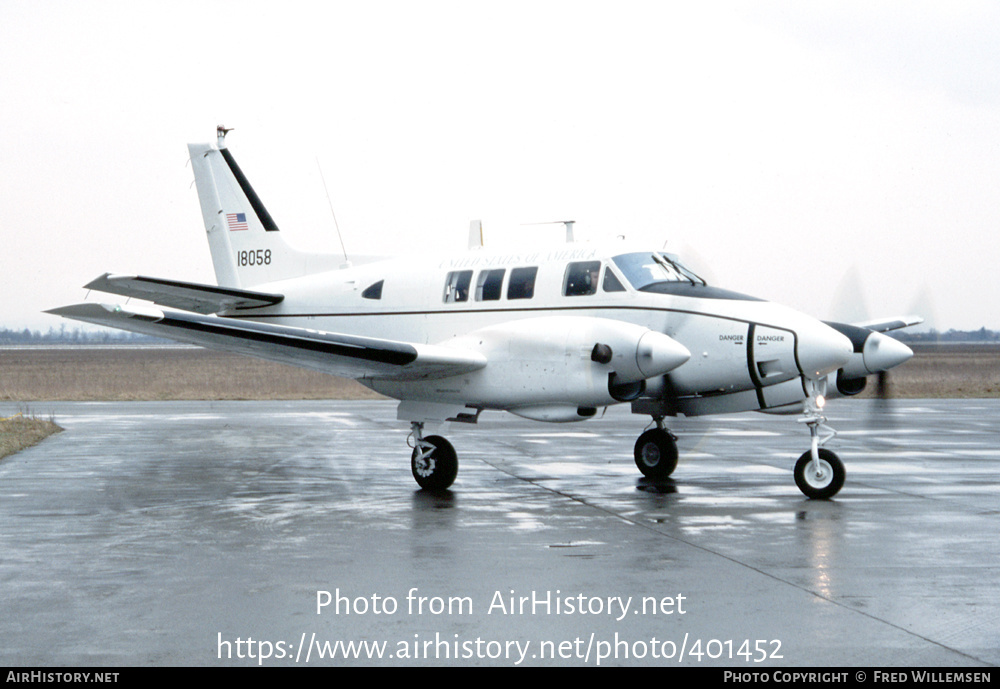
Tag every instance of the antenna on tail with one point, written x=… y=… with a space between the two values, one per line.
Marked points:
x=221 y=132
x=336 y=225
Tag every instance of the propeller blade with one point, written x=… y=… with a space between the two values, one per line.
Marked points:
x=882 y=415
x=882 y=389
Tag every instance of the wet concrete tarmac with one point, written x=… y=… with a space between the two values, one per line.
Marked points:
x=175 y=533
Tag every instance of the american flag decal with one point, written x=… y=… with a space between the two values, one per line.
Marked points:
x=237 y=221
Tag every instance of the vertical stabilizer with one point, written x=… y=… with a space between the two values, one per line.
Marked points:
x=247 y=248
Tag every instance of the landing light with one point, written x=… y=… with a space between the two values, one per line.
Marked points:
x=820 y=401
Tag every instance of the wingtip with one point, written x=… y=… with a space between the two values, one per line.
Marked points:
x=102 y=282
x=68 y=311
x=95 y=312
x=887 y=324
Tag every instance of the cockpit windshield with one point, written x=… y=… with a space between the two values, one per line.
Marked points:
x=642 y=269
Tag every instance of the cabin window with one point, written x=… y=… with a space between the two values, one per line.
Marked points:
x=489 y=285
x=611 y=282
x=456 y=287
x=373 y=291
x=581 y=278
x=522 y=283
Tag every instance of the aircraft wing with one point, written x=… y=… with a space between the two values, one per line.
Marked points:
x=347 y=356
x=886 y=324
x=189 y=296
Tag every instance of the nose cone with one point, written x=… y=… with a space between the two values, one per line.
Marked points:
x=882 y=353
x=822 y=350
x=657 y=354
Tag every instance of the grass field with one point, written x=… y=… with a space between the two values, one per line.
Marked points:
x=949 y=371
x=23 y=430
x=119 y=374
x=172 y=373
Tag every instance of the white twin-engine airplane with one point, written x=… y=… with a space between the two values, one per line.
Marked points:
x=547 y=334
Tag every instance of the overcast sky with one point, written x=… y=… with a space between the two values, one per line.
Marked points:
x=784 y=145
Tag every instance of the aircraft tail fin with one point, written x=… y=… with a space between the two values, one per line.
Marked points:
x=247 y=248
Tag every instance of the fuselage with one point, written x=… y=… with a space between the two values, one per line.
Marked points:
x=745 y=353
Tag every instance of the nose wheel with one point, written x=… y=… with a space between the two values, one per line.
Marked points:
x=819 y=478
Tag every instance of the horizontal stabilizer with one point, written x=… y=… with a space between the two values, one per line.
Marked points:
x=884 y=325
x=348 y=356
x=188 y=296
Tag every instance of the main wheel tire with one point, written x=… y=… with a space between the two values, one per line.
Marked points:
x=825 y=484
x=656 y=454
x=438 y=470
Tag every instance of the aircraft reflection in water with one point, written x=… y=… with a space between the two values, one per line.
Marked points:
x=552 y=335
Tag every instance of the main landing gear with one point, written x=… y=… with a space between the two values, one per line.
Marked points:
x=434 y=461
x=656 y=452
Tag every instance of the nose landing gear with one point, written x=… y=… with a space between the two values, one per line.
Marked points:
x=819 y=473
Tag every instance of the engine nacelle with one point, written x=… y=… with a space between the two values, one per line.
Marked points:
x=551 y=367
x=873 y=353
x=848 y=386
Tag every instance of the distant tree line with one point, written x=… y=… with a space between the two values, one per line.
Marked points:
x=981 y=335
x=64 y=336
